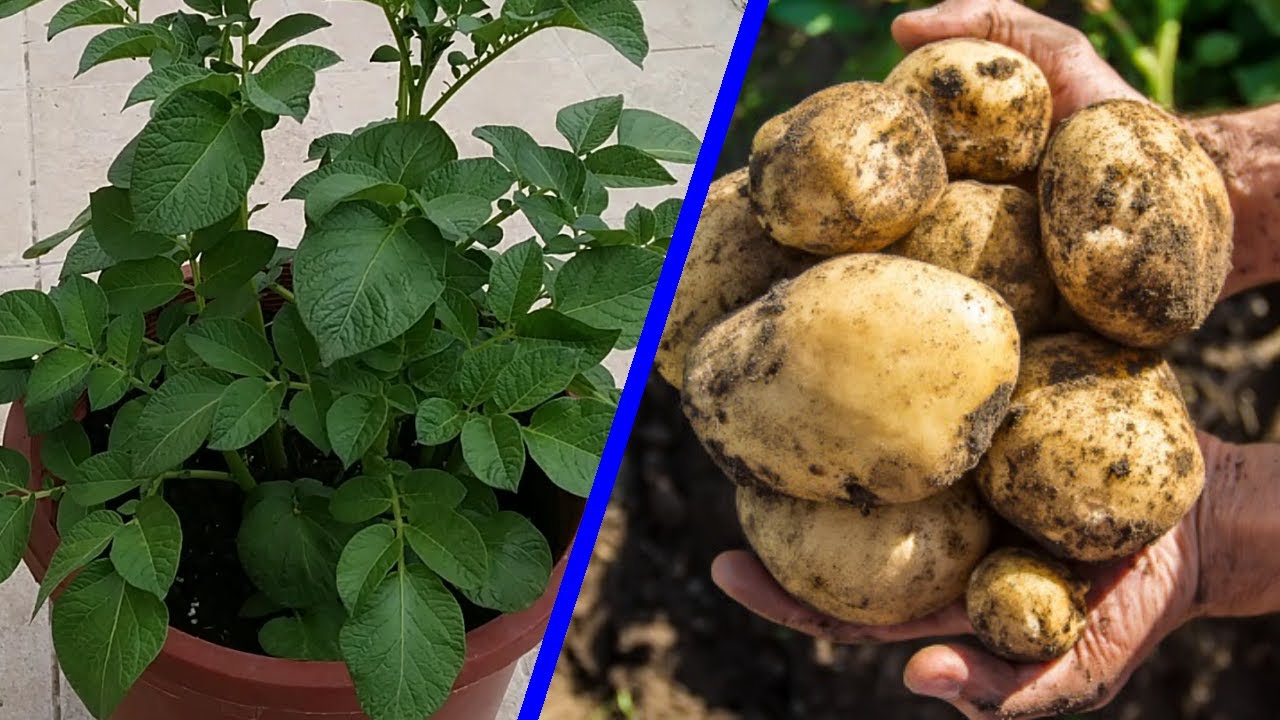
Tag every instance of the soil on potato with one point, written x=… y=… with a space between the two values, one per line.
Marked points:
x=652 y=637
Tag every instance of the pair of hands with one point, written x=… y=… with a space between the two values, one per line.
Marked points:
x=1134 y=602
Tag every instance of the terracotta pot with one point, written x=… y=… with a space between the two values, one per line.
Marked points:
x=196 y=680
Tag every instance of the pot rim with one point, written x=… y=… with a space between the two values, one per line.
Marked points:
x=490 y=648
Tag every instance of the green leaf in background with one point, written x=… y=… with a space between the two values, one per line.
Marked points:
x=551 y=327
x=353 y=422
x=508 y=143
x=385 y=54
x=196 y=161
x=310 y=634
x=107 y=385
x=365 y=562
x=286 y=29
x=102 y=477
x=492 y=448
x=617 y=22
x=515 y=281
x=1216 y=49
x=282 y=89
x=57 y=372
x=438 y=421
x=231 y=345
x=125 y=421
x=13 y=380
x=587 y=125
x=342 y=187
x=566 y=438
x=234 y=261
x=310 y=56
x=16 y=515
x=519 y=563
x=120 y=43
x=658 y=136
x=622 y=166
x=47 y=245
x=405 y=645
x=297 y=349
x=29 y=324
x=176 y=421
x=13 y=7
x=308 y=418
x=667 y=213
x=361 y=498
x=146 y=550
x=307 y=183
x=362 y=280
x=141 y=285
x=609 y=288
x=82 y=13
x=479 y=369
x=458 y=315
x=106 y=632
x=289 y=545
x=818 y=17
x=406 y=151
x=535 y=374
x=15 y=470
x=113 y=227
x=163 y=82
x=86 y=256
x=450 y=545
x=61 y=452
x=642 y=223
x=246 y=410
x=45 y=416
x=124 y=338
x=457 y=216
x=1259 y=83
x=424 y=491
x=83 y=308
x=553 y=169
x=481 y=177
x=83 y=543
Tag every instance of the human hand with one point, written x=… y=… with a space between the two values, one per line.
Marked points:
x=1133 y=604
x=1077 y=75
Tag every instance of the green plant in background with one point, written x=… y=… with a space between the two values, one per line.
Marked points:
x=378 y=410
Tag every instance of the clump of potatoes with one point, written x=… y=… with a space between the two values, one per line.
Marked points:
x=869 y=341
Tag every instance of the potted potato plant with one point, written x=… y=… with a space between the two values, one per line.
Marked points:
x=330 y=481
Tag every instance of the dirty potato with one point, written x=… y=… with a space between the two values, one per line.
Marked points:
x=1136 y=222
x=731 y=262
x=866 y=379
x=1097 y=457
x=1025 y=607
x=990 y=105
x=850 y=169
x=990 y=233
x=877 y=566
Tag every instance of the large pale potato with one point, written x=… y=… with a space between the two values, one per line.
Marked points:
x=850 y=169
x=990 y=233
x=878 y=566
x=990 y=105
x=1025 y=607
x=866 y=379
x=1136 y=222
x=731 y=262
x=1097 y=457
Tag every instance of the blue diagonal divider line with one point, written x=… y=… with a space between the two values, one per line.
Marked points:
x=620 y=431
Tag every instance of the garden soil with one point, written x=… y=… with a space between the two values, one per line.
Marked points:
x=654 y=638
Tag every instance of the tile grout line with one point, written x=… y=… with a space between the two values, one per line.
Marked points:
x=31 y=150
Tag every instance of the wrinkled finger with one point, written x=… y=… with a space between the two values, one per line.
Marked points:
x=981 y=685
x=742 y=577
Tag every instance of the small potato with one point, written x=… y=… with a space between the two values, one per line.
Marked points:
x=1025 y=607
x=866 y=379
x=1136 y=222
x=877 y=566
x=851 y=169
x=990 y=105
x=1097 y=457
x=731 y=262
x=990 y=233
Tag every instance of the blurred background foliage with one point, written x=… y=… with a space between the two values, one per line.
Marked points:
x=1192 y=55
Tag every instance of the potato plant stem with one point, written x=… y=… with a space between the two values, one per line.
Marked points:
x=274 y=439
x=406 y=63
x=239 y=470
